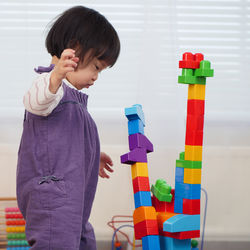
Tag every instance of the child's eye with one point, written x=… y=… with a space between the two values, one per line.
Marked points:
x=97 y=67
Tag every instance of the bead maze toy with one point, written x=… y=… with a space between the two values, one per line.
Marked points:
x=12 y=226
x=170 y=218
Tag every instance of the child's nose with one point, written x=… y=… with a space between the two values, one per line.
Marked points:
x=94 y=77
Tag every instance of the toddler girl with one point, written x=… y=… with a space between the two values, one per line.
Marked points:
x=59 y=155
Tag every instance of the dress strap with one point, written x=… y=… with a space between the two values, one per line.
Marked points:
x=42 y=69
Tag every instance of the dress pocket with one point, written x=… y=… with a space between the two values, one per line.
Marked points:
x=53 y=193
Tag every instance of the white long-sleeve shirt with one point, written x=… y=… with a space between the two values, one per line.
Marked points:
x=39 y=100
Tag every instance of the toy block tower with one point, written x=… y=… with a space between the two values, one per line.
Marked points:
x=171 y=217
x=188 y=166
x=144 y=217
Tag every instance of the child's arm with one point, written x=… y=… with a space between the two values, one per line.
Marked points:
x=38 y=99
x=46 y=91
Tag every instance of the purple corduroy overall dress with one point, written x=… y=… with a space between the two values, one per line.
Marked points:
x=57 y=173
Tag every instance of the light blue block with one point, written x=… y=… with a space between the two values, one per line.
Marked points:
x=168 y=243
x=182 y=222
x=179 y=175
x=17 y=248
x=151 y=242
x=135 y=126
x=142 y=198
x=188 y=191
x=135 y=112
x=178 y=205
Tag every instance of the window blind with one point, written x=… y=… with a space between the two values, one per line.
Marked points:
x=153 y=34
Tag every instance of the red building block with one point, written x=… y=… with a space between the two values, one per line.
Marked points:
x=146 y=227
x=191 y=206
x=195 y=122
x=181 y=235
x=162 y=206
x=194 y=137
x=141 y=183
x=190 y=61
x=195 y=107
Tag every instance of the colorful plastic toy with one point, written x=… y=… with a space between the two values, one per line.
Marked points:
x=170 y=218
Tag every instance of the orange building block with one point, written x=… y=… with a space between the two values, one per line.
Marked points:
x=162 y=217
x=144 y=213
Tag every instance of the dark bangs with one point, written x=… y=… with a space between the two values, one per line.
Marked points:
x=84 y=30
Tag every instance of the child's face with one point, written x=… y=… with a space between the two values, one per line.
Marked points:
x=86 y=74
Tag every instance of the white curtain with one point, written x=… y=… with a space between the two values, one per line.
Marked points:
x=153 y=34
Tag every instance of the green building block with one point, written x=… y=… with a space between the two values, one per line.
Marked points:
x=182 y=156
x=188 y=164
x=204 y=70
x=181 y=163
x=161 y=190
x=188 y=77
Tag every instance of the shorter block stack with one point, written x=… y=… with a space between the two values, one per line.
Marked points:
x=145 y=221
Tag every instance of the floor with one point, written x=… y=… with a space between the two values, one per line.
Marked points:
x=218 y=245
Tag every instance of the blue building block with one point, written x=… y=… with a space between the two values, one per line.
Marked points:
x=142 y=198
x=135 y=126
x=179 y=174
x=17 y=248
x=178 y=205
x=135 y=112
x=174 y=244
x=151 y=242
x=188 y=191
x=182 y=222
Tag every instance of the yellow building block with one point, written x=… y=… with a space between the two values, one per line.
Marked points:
x=144 y=213
x=139 y=169
x=192 y=176
x=196 y=91
x=193 y=153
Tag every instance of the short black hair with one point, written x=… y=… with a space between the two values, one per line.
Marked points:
x=84 y=29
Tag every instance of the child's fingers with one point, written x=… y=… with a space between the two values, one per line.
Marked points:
x=68 y=69
x=109 y=168
x=108 y=160
x=75 y=59
x=68 y=54
x=103 y=174
x=69 y=63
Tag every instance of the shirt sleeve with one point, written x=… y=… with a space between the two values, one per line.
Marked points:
x=38 y=99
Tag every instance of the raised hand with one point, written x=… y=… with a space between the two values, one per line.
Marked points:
x=67 y=63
